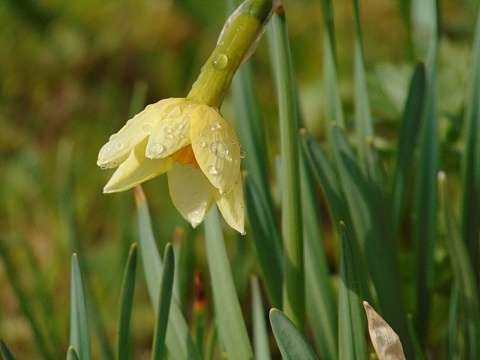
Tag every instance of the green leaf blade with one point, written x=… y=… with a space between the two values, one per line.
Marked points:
x=411 y=125
x=470 y=168
x=260 y=333
x=294 y=278
x=290 y=340
x=351 y=342
x=179 y=341
x=231 y=326
x=126 y=303
x=79 y=332
x=165 y=298
x=266 y=240
x=464 y=276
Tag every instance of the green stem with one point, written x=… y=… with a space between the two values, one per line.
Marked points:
x=238 y=38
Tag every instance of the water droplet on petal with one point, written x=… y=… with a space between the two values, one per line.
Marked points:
x=243 y=233
x=108 y=150
x=156 y=149
x=168 y=130
x=212 y=170
x=216 y=124
x=146 y=129
x=243 y=154
x=220 y=62
x=119 y=145
x=203 y=144
x=170 y=136
x=219 y=148
x=103 y=167
x=175 y=112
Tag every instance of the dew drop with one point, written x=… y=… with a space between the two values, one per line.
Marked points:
x=243 y=154
x=203 y=144
x=156 y=149
x=220 y=62
x=107 y=150
x=212 y=170
x=170 y=136
x=119 y=145
x=146 y=129
x=175 y=112
x=103 y=167
x=168 y=130
x=179 y=126
x=243 y=233
x=219 y=148
x=216 y=124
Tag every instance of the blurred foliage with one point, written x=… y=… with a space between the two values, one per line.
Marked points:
x=67 y=73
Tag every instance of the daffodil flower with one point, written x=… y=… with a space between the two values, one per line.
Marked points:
x=188 y=138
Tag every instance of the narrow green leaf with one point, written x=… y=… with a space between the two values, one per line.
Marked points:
x=179 y=341
x=419 y=355
x=326 y=176
x=470 y=168
x=333 y=105
x=453 y=321
x=294 y=282
x=464 y=276
x=407 y=140
x=72 y=354
x=290 y=340
x=320 y=299
x=231 y=326
x=266 y=240
x=260 y=333
x=79 y=332
x=165 y=297
x=372 y=230
x=126 y=300
x=363 y=115
x=361 y=210
x=425 y=201
x=5 y=352
x=250 y=130
x=351 y=339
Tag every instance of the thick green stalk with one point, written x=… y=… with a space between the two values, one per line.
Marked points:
x=237 y=39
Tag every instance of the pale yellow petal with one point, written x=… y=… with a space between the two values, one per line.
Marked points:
x=231 y=206
x=119 y=146
x=216 y=147
x=172 y=133
x=136 y=169
x=191 y=192
x=385 y=341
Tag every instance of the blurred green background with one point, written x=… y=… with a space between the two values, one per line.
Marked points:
x=68 y=70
